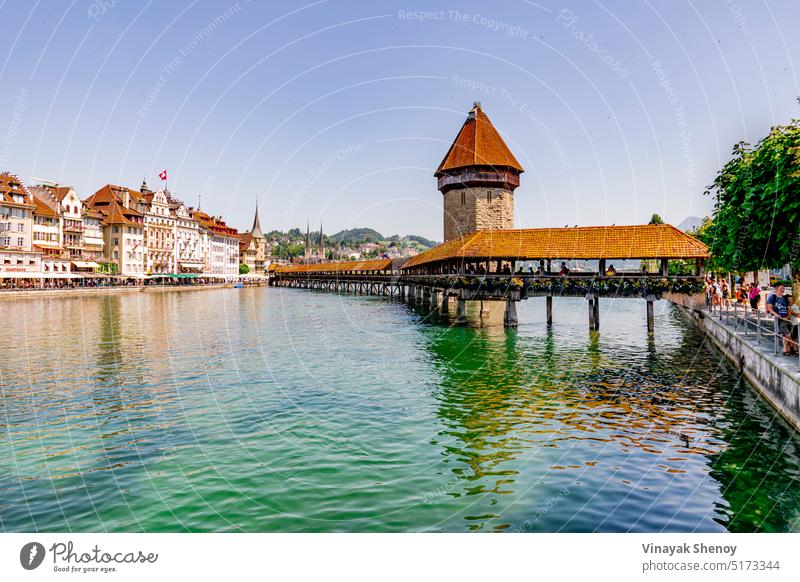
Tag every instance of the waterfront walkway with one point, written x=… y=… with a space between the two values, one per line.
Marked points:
x=757 y=329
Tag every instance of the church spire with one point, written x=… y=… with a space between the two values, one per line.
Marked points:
x=256 y=230
x=308 y=240
x=321 y=242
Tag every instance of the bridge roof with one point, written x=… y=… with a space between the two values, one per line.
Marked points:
x=647 y=241
x=371 y=265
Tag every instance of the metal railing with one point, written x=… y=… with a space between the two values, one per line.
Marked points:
x=756 y=325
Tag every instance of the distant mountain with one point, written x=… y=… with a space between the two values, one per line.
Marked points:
x=691 y=223
x=357 y=234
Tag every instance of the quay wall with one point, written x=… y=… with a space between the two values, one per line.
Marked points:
x=779 y=386
x=78 y=292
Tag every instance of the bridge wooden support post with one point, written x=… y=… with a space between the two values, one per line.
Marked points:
x=426 y=296
x=510 y=316
x=549 y=309
x=592 y=324
x=434 y=298
x=596 y=313
x=461 y=310
x=445 y=301
x=651 y=320
x=412 y=293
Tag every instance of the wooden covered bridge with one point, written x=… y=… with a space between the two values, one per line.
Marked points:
x=512 y=265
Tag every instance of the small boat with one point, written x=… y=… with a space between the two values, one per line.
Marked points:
x=239 y=286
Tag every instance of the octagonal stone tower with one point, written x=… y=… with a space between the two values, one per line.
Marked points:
x=477 y=178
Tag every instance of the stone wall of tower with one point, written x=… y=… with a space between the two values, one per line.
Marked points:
x=477 y=208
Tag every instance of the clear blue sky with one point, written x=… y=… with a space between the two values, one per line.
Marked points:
x=340 y=111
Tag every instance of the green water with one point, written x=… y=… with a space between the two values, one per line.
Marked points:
x=285 y=410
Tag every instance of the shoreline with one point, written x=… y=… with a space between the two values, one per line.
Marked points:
x=79 y=291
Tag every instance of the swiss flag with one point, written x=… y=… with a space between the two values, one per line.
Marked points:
x=163 y=175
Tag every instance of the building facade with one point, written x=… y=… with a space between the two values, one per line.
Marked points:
x=188 y=240
x=221 y=245
x=123 y=229
x=93 y=240
x=160 y=226
x=477 y=179
x=47 y=238
x=17 y=254
x=253 y=248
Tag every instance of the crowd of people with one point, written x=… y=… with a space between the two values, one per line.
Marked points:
x=784 y=308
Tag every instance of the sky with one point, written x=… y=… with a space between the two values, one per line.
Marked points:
x=338 y=112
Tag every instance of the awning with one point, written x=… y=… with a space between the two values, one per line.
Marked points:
x=44 y=245
x=85 y=264
x=192 y=263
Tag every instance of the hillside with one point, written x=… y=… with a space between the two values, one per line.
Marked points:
x=357 y=235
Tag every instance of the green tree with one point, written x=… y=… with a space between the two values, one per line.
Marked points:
x=756 y=222
x=244 y=268
x=656 y=219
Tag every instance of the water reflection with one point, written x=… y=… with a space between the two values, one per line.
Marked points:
x=651 y=426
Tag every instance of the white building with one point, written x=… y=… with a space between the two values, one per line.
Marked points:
x=221 y=245
x=189 y=246
x=159 y=239
x=47 y=238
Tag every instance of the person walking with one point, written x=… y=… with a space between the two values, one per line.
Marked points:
x=778 y=307
x=755 y=296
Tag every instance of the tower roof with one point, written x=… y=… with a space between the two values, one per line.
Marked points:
x=256 y=230
x=478 y=144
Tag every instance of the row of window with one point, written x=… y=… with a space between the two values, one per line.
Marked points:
x=15 y=213
x=19 y=262
x=6 y=241
x=128 y=229
x=10 y=226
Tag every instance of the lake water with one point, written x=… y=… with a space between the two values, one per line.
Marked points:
x=272 y=409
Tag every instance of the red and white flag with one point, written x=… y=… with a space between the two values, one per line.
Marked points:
x=163 y=175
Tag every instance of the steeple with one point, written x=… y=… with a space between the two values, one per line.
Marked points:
x=307 y=253
x=321 y=242
x=256 y=230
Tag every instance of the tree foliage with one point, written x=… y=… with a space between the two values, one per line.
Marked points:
x=756 y=223
x=656 y=219
x=244 y=269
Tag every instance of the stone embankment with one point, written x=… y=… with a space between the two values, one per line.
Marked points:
x=775 y=377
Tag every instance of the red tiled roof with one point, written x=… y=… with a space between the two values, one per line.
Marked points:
x=370 y=265
x=647 y=241
x=108 y=201
x=214 y=224
x=10 y=184
x=245 y=238
x=478 y=144
x=60 y=192
x=111 y=193
x=43 y=209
